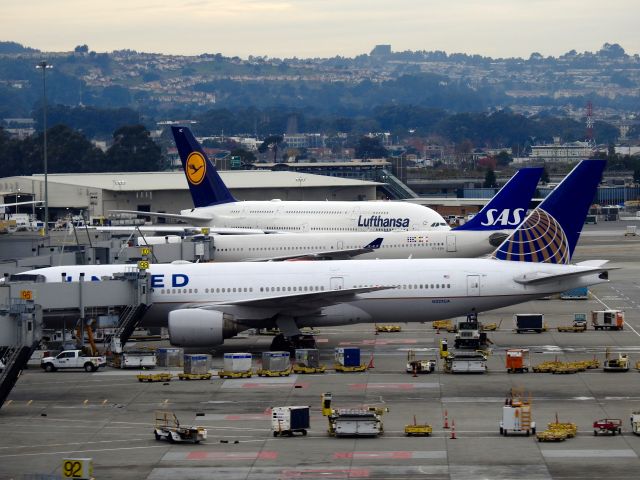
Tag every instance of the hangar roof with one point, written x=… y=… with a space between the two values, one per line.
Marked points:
x=134 y=181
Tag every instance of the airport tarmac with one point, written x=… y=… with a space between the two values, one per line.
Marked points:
x=108 y=415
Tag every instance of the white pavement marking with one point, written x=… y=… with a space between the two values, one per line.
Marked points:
x=499 y=472
x=81 y=451
x=49 y=445
x=624 y=453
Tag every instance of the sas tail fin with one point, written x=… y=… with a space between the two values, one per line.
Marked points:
x=550 y=233
x=509 y=206
x=205 y=185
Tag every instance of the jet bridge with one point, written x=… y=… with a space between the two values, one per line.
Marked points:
x=27 y=303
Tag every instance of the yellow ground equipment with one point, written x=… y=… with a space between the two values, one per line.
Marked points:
x=516 y=414
x=517 y=360
x=194 y=376
x=274 y=373
x=228 y=374
x=297 y=368
x=619 y=364
x=442 y=324
x=551 y=436
x=345 y=369
x=417 y=366
x=444 y=349
x=326 y=404
x=155 y=377
x=416 y=429
x=167 y=427
x=388 y=328
x=490 y=327
x=568 y=428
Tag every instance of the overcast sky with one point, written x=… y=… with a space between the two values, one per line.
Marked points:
x=323 y=28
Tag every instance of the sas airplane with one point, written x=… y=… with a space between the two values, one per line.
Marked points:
x=477 y=237
x=215 y=207
x=203 y=304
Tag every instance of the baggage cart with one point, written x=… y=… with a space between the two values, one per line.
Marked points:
x=289 y=420
x=167 y=427
x=610 y=426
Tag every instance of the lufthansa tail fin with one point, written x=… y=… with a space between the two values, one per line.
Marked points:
x=509 y=206
x=550 y=233
x=205 y=185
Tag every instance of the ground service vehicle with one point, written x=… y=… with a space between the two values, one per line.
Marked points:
x=607 y=319
x=288 y=420
x=72 y=359
x=635 y=422
x=607 y=425
x=516 y=415
x=167 y=427
x=529 y=322
x=517 y=360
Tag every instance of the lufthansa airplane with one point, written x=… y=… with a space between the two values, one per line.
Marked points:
x=216 y=208
x=205 y=303
x=505 y=211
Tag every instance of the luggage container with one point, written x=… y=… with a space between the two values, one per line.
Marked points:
x=237 y=362
x=517 y=360
x=276 y=361
x=529 y=322
x=197 y=364
x=289 y=420
x=169 y=357
x=635 y=423
x=308 y=357
x=580 y=293
x=348 y=357
x=134 y=359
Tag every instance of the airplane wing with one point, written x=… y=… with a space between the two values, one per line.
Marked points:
x=308 y=300
x=176 y=216
x=345 y=254
x=185 y=229
x=15 y=204
x=539 y=278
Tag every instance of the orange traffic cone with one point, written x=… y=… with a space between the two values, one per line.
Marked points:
x=371 y=362
x=453 y=430
x=446 y=420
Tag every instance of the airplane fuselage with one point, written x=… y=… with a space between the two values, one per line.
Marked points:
x=313 y=216
x=418 y=290
x=414 y=244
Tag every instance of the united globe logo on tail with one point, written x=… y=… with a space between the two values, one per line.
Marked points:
x=539 y=239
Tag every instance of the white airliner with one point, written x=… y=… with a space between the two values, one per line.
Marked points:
x=216 y=208
x=505 y=211
x=206 y=303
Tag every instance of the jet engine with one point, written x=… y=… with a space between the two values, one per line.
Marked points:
x=194 y=327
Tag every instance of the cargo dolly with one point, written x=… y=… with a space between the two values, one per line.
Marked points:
x=344 y=369
x=155 y=377
x=274 y=373
x=388 y=328
x=194 y=376
x=229 y=374
x=416 y=429
x=297 y=368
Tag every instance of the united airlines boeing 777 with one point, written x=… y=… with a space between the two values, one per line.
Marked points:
x=205 y=303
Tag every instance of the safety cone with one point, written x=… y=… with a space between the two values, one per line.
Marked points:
x=453 y=430
x=446 y=420
x=371 y=362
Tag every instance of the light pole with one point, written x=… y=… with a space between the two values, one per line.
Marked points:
x=44 y=66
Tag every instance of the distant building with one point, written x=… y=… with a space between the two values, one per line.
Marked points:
x=557 y=153
x=381 y=51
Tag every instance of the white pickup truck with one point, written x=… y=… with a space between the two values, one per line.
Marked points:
x=72 y=359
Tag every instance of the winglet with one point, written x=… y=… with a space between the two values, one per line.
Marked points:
x=509 y=206
x=550 y=233
x=205 y=184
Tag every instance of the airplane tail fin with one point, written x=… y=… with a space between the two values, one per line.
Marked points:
x=550 y=233
x=509 y=206
x=205 y=184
